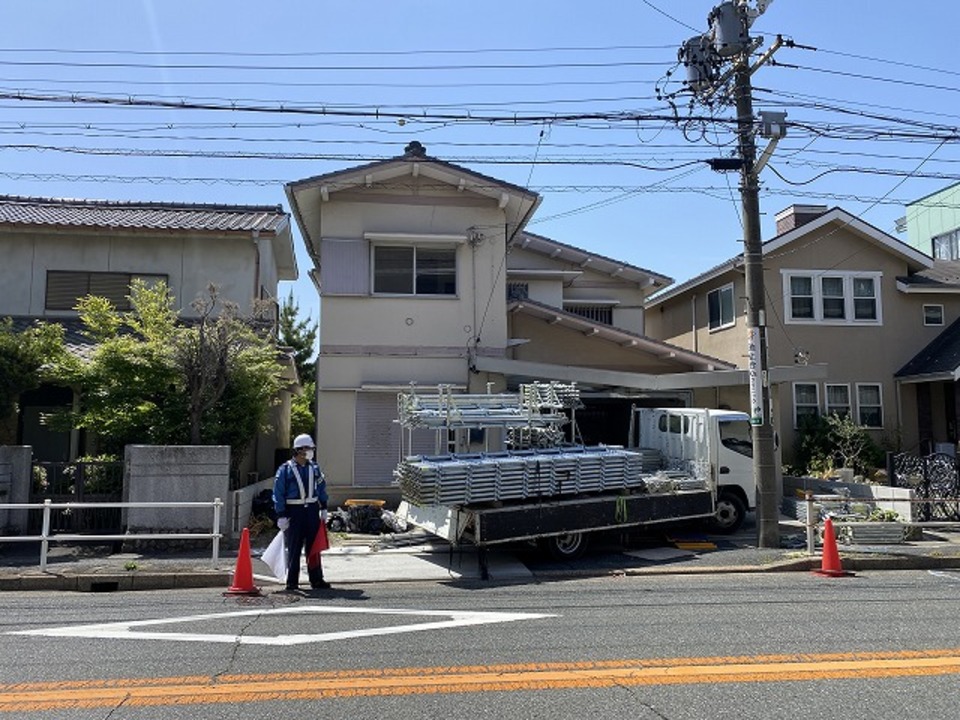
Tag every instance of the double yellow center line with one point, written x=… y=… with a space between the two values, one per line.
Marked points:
x=195 y=690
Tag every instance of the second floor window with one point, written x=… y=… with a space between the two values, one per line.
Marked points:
x=416 y=270
x=602 y=314
x=66 y=287
x=835 y=298
x=945 y=246
x=720 y=307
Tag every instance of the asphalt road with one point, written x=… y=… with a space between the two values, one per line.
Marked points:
x=879 y=645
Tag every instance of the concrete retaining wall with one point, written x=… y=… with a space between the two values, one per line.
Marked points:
x=176 y=473
x=880 y=496
x=14 y=486
x=242 y=502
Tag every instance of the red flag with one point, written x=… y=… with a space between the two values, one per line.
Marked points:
x=320 y=543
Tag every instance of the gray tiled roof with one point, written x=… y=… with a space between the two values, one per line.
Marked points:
x=941 y=356
x=943 y=272
x=15 y=210
x=76 y=342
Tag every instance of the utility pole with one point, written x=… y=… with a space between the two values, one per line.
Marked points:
x=729 y=39
x=764 y=462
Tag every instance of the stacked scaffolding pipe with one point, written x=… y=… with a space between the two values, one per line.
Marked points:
x=485 y=478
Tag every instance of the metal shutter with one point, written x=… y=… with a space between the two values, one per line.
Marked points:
x=344 y=267
x=377 y=445
x=65 y=288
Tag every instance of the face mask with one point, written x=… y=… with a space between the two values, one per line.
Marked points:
x=308 y=454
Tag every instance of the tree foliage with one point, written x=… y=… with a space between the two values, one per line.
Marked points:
x=300 y=335
x=154 y=380
x=834 y=441
x=25 y=359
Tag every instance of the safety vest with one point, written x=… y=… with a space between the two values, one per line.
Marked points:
x=307 y=496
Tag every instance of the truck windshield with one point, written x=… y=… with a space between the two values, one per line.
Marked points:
x=735 y=434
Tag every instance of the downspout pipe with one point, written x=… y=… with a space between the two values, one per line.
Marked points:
x=255 y=235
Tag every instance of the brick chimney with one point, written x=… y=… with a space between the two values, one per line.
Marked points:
x=797 y=215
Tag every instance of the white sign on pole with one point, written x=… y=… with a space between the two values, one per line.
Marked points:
x=756 y=379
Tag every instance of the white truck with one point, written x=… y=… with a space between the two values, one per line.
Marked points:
x=681 y=464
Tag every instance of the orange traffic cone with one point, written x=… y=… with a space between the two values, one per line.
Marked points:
x=243 y=575
x=830 y=563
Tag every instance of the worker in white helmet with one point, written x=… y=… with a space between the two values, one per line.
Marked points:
x=300 y=499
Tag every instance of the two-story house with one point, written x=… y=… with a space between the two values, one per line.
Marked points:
x=427 y=275
x=839 y=293
x=56 y=251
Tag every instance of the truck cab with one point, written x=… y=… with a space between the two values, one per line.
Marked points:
x=712 y=444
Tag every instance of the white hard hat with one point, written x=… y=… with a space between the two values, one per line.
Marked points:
x=303 y=441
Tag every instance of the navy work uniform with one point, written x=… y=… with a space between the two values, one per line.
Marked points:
x=299 y=493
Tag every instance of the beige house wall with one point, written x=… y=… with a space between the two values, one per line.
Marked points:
x=588 y=286
x=191 y=263
x=567 y=346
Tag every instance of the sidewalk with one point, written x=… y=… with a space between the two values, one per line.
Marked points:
x=415 y=556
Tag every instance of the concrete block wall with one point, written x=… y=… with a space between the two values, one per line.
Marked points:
x=15 y=469
x=176 y=473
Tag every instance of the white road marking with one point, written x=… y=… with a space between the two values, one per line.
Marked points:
x=946 y=575
x=130 y=631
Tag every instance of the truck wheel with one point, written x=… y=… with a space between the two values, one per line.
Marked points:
x=568 y=546
x=730 y=513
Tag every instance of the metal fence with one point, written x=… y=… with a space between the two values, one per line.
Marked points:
x=50 y=534
x=80 y=481
x=881 y=532
x=935 y=480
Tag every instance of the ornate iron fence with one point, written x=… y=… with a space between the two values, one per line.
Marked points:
x=931 y=477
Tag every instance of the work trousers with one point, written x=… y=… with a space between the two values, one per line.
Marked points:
x=299 y=537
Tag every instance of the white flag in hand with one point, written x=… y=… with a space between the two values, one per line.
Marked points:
x=276 y=557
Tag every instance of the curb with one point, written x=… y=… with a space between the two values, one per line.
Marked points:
x=174 y=580
x=114 y=582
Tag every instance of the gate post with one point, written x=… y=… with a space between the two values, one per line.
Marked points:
x=16 y=477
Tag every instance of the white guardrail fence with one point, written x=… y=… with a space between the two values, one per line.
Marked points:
x=815 y=502
x=46 y=537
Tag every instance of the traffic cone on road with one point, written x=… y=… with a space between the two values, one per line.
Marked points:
x=830 y=561
x=243 y=574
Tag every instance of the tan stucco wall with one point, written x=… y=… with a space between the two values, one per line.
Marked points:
x=421 y=321
x=589 y=284
x=564 y=346
x=335 y=436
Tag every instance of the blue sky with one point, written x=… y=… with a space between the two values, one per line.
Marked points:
x=879 y=94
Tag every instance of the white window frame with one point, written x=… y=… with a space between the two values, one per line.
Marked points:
x=829 y=408
x=816 y=277
x=945 y=245
x=925 y=320
x=816 y=405
x=719 y=292
x=861 y=406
